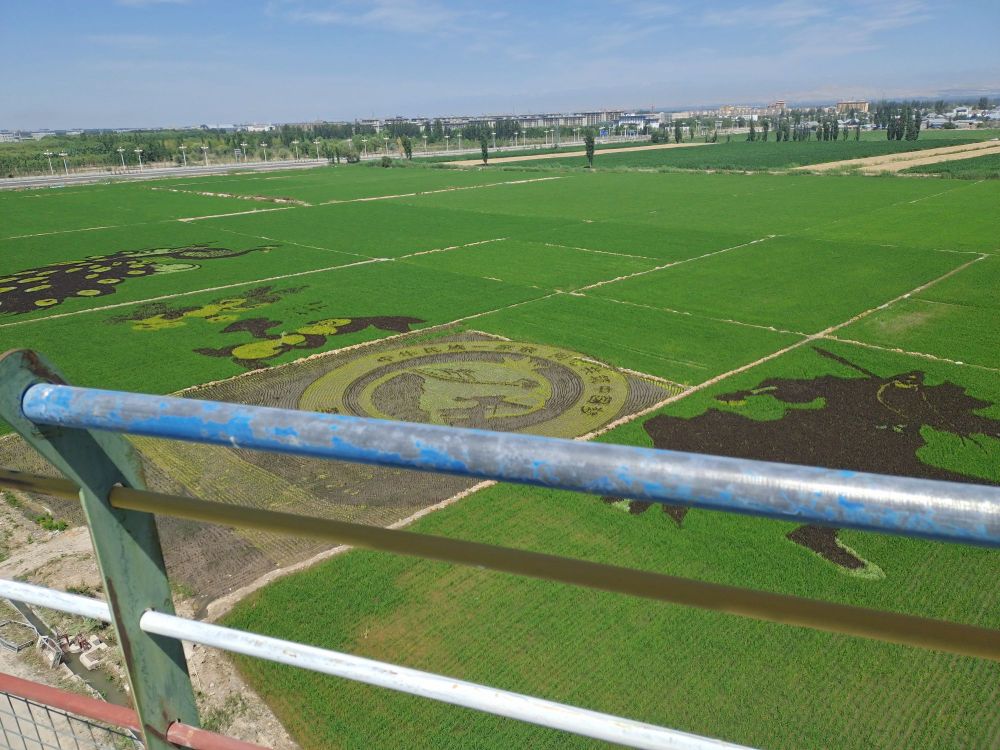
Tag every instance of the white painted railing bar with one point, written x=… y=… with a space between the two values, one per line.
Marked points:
x=415 y=682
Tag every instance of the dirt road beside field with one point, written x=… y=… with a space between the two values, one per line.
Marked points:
x=900 y=161
x=564 y=154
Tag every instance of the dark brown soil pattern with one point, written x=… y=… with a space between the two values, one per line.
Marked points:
x=637 y=507
x=869 y=423
x=99 y=275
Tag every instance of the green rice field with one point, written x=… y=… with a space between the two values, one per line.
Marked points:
x=844 y=321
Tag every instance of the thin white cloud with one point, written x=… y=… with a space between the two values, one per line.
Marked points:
x=401 y=16
x=782 y=14
x=148 y=3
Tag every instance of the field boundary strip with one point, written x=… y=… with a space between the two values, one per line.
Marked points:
x=68 y=231
x=453 y=189
x=600 y=252
x=570 y=154
x=366 y=260
x=909 y=353
x=297 y=244
x=189 y=219
x=671 y=310
x=335 y=202
x=235 y=196
x=673 y=263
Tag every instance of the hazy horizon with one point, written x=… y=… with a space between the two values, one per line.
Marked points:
x=155 y=63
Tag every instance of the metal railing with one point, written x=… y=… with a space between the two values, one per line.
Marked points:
x=80 y=431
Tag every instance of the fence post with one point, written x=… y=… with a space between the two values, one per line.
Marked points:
x=126 y=545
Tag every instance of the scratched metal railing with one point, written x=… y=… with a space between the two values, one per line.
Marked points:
x=80 y=431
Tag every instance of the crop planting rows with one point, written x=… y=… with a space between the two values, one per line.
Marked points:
x=852 y=317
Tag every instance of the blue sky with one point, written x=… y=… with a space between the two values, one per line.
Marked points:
x=92 y=63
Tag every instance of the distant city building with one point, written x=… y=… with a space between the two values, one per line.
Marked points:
x=7 y=137
x=844 y=108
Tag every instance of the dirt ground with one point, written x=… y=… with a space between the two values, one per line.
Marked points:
x=565 y=154
x=64 y=560
x=897 y=162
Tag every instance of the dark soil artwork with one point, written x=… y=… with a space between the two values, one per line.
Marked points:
x=871 y=423
x=268 y=344
x=99 y=275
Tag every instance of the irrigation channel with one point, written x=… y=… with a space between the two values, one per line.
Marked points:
x=96 y=678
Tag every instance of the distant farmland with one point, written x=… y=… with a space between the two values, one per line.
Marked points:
x=843 y=321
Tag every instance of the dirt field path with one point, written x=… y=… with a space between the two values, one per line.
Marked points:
x=897 y=162
x=564 y=154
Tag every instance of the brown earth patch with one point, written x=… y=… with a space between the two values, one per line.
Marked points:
x=44 y=287
x=637 y=507
x=904 y=160
x=823 y=541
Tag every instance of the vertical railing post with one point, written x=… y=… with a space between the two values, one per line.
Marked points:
x=126 y=545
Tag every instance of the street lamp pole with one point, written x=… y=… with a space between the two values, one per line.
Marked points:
x=121 y=154
x=384 y=138
x=447 y=143
x=243 y=148
x=425 y=144
x=296 y=144
x=204 y=152
x=48 y=155
x=494 y=134
x=184 y=155
x=63 y=154
x=139 y=152
x=459 y=140
x=316 y=144
x=263 y=147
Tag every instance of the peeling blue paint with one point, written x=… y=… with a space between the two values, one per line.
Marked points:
x=937 y=510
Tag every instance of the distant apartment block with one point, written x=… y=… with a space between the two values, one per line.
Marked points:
x=844 y=108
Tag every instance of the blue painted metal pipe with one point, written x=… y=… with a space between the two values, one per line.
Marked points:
x=946 y=511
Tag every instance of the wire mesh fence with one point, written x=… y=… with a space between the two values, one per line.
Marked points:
x=26 y=725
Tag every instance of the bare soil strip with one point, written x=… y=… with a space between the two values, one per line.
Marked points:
x=565 y=154
x=907 y=352
x=237 y=196
x=897 y=166
x=235 y=213
x=59 y=231
x=896 y=162
x=440 y=190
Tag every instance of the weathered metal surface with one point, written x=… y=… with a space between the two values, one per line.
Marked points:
x=126 y=545
x=436 y=687
x=178 y=734
x=80 y=705
x=426 y=684
x=913 y=507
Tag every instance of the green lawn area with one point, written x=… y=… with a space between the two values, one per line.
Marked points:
x=977 y=168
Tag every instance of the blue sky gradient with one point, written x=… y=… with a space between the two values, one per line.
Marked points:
x=138 y=63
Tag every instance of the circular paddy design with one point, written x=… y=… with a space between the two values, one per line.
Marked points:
x=494 y=385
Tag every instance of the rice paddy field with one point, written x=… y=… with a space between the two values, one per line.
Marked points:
x=843 y=321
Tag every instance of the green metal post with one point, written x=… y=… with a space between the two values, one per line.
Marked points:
x=126 y=545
